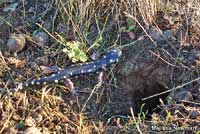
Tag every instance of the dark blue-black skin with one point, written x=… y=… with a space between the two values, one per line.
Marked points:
x=108 y=59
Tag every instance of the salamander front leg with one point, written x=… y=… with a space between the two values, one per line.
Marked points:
x=68 y=83
x=100 y=77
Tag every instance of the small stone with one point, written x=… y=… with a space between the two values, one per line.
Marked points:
x=17 y=62
x=168 y=34
x=16 y=42
x=132 y=35
x=155 y=33
x=41 y=38
x=12 y=130
x=44 y=60
x=32 y=130
x=183 y=95
x=30 y=122
x=38 y=118
x=45 y=130
x=159 y=35
x=194 y=114
x=16 y=117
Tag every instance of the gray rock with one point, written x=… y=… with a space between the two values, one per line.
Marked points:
x=16 y=42
x=183 y=95
x=159 y=35
x=41 y=38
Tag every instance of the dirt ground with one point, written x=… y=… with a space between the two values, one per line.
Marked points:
x=153 y=89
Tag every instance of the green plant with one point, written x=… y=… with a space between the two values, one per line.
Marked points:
x=131 y=25
x=72 y=49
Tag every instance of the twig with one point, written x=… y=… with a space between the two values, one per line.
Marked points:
x=138 y=128
x=163 y=59
x=135 y=19
x=180 y=86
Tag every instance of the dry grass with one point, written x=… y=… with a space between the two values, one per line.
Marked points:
x=148 y=10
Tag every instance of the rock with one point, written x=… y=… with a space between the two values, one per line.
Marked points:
x=41 y=38
x=38 y=118
x=194 y=113
x=155 y=33
x=182 y=95
x=30 y=122
x=17 y=62
x=11 y=8
x=45 y=130
x=44 y=60
x=12 y=130
x=16 y=42
x=159 y=35
x=32 y=130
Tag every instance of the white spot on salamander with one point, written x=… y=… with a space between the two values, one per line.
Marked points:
x=38 y=83
x=70 y=73
x=45 y=83
x=111 y=60
x=89 y=70
x=56 y=81
x=103 y=66
x=26 y=84
x=20 y=86
x=33 y=82
x=114 y=50
x=64 y=77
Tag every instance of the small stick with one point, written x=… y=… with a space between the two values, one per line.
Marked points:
x=180 y=86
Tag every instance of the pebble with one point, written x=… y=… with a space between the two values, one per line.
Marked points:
x=38 y=118
x=159 y=35
x=183 y=95
x=30 y=122
x=41 y=38
x=194 y=113
x=16 y=42
x=32 y=130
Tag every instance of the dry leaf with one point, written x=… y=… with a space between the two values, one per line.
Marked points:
x=16 y=62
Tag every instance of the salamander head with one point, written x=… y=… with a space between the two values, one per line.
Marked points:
x=113 y=55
